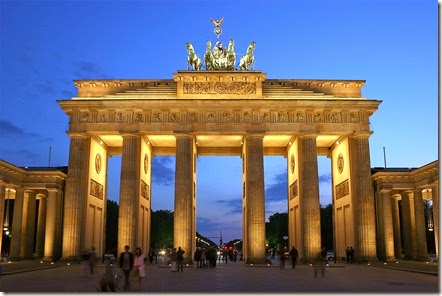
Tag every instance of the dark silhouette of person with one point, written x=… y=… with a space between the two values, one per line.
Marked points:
x=180 y=259
x=352 y=253
x=282 y=257
x=347 y=254
x=294 y=256
x=126 y=264
x=324 y=254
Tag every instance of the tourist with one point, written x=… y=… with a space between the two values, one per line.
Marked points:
x=351 y=254
x=180 y=259
x=294 y=256
x=347 y=254
x=92 y=260
x=107 y=282
x=282 y=257
x=126 y=264
x=173 y=260
x=138 y=267
x=85 y=262
x=324 y=254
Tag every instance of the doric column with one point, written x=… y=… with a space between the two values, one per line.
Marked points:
x=255 y=203
x=362 y=195
x=51 y=226
x=409 y=225
x=29 y=229
x=129 y=191
x=435 y=200
x=386 y=237
x=396 y=227
x=41 y=224
x=16 y=236
x=75 y=197
x=309 y=196
x=421 y=235
x=183 y=234
x=2 y=208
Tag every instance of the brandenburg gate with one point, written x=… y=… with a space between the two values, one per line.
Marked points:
x=219 y=112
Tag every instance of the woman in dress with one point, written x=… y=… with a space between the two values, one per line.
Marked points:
x=138 y=267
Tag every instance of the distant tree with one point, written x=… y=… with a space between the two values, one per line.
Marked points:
x=161 y=234
x=111 y=227
x=276 y=229
x=327 y=226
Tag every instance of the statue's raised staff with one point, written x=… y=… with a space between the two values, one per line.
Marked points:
x=248 y=59
x=192 y=58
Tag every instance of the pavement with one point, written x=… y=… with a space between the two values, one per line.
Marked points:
x=233 y=277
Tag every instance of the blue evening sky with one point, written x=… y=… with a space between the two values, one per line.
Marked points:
x=391 y=44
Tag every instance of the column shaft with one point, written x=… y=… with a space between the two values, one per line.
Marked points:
x=421 y=235
x=41 y=224
x=396 y=228
x=309 y=197
x=75 y=197
x=129 y=192
x=29 y=230
x=14 y=253
x=362 y=197
x=2 y=210
x=255 y=204
x=51 y=225
x=409 y=225
x=388 y=225
x=183 y=230
x=435 y=199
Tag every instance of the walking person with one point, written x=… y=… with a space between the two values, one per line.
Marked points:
x=126 y=264
x=85 y=262
x=282 y=257
x=294 y=256
x=352 y=253
x=347 y=254
x=173 y=260
x=92 y=260
x=139 y=267
x=180 y=259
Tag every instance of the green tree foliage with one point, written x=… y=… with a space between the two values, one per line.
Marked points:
x=161 y=229
x=111 y=227
x=276 y=228
x=327 y=226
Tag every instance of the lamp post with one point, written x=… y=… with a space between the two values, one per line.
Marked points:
x=285 y=237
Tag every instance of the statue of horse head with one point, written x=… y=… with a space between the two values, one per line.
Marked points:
x=248 y=59
x=208 y=57
x=192 y=58
x=231 y=56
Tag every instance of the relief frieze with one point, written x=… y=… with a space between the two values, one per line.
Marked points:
x=96 y=189
x=342 y=189
x=237 y=88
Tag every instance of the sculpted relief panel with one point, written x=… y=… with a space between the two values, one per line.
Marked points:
x=217 y=88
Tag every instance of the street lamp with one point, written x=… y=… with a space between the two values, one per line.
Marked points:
x=285 y=237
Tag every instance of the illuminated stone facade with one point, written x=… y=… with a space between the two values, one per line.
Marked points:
x=239 y=113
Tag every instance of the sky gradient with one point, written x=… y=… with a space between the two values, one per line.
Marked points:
x=391 y=44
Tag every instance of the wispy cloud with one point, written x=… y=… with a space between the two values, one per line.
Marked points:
x=163 y=172
x=277 y=190
x=9 y=129
x=325 y=178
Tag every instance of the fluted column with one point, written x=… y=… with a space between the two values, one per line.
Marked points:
x=309 y=196
x=29 y=231
x=362 y=194
x=435 y=200
x=16 y=235
x=41 y=224
x=129 y=191
x=183 y=235
x=396 y=227
x=2 y=208
x=255 y=205
x=51 y=225
x=75 y=196
x=409 y=225
x=386 y=237
x=421 y=235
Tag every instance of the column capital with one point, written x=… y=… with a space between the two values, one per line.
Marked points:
x=307 y=135
x=183 y=135
x=73 y=135
x=365 y=134
x=254 y=135
x=130 y=135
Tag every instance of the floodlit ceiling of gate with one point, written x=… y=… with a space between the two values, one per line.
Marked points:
x=213 y=141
